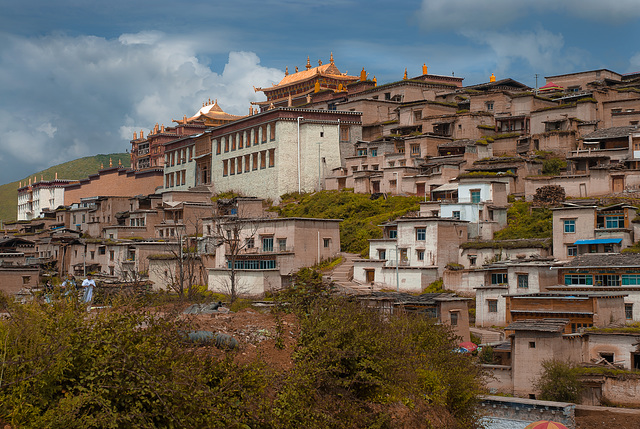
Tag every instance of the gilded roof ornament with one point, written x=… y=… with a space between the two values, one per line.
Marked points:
x=296 y=69
x=308 y=63
x=375 y=81
x=331 y=59
x=363 y=75
x=424 y=68
x=492 y=78
x=405 y=74
x=286 y=72
x=319 y=62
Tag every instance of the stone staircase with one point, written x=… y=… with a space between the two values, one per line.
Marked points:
x=342 y=276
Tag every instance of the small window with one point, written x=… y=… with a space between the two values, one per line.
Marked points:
x=282 y=244
x=456 y=215
x=420 y=255
x=498 y=278
x=393 y=233
x=523 y=281
x=26 y=280
x=609 y=357
x=475 y=196
x=454 y=318
x=327 y=242
x=572 y=251
x=421 y=234
x=628 y=311
x=382 y=254
x=570 y=226
x=492 y=305
x=532 y=344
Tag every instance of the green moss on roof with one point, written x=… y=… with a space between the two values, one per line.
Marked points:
x=508 y=244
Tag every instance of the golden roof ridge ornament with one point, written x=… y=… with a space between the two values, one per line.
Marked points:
x=424 y=68
x=286 y=73
x=331 y=58
x=363 y=75
x=308 y=63
x=405 y=74
x=492 y=78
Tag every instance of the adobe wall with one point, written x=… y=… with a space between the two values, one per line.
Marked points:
x=114 y=182
x=621 y=391
x=12 y=279
x=500 y=378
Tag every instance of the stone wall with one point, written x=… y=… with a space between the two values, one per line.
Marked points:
x=528 y=410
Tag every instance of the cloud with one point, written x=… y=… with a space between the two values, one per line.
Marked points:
x=78 y=96
x=453 y=15
x=541 y=49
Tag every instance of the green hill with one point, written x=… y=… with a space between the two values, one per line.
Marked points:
x=76 y=169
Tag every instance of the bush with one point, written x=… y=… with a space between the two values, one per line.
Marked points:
x=350 y=358
x=559 y=382
x=118 y=368
x=553 y=166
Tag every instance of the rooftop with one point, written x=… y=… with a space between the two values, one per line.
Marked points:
x=604 y=260
x=542 y=325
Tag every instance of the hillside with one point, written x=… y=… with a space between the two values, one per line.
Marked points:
x=76 y=169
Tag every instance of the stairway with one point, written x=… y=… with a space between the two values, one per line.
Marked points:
x=342 y=276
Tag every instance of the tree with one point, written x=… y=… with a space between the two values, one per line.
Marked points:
x=234 y=236
x=559 y=382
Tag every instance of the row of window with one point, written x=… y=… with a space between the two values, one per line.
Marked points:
x=249 y=162
x=502 y=278
x=610 y=222
x=179 y=156
x=246 y=138
x=602 y=279
x=260 y=264
x=176 y=178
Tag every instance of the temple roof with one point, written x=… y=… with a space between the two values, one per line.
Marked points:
x=329 y=70
x=212 y=111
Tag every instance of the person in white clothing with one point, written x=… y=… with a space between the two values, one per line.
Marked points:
x=88 y=284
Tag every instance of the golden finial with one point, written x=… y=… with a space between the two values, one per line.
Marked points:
x=424 y=68
x=405 y=74
x=375 y=81
x=317 y=86
x=492 y=78
x=135 y=135
x=110 y=163
x=119 y=164
x=363 y=75
x=331 y=59
x=141 y=134
x=319 y=62
x=286 y=71
x=296 y=69
x=101 y=166
x=308 y=63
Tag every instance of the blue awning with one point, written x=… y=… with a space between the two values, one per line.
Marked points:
x=600 y=241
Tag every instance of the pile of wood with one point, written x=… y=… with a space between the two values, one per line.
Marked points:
x=549 y=195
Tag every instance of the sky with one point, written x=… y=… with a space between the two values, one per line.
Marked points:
x=78 y=77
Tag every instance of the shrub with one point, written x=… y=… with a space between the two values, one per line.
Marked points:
x=559 y=381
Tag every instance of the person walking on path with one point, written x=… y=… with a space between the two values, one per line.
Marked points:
x=88 y=284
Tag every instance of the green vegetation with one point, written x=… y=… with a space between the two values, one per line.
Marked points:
x=508 y=244
x=128 y=367
x=352 y=367
x=487 y=127
x=559 y=382
x=634 y=248
x=487 y=174
x=553 y=166
x=523 y=221
x=74 y=170
x=361 y=214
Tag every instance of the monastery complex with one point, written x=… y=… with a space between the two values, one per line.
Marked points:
x=468 y=152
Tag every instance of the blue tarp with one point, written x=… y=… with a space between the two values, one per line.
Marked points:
x=600 y=241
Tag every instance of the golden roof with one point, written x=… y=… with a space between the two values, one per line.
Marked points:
x=212 y=111
x=328 y=70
